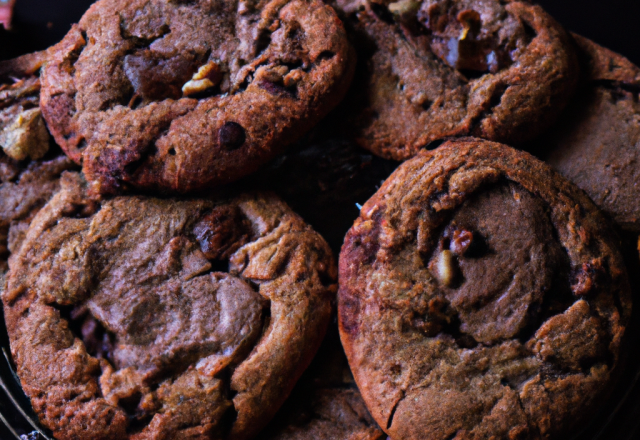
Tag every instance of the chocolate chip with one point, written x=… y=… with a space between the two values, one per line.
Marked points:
x=155 y=78
x=231 y=135
x=221 y=232
x=437 y=317
x=471 y=23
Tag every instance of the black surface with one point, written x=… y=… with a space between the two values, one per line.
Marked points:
x=611 y=23
x=38 y=24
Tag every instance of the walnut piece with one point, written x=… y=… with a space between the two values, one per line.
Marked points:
x=445 y=268
x=273 y=74
x=404 y=7
x=461 y=241
x=207 y=77
x=25 y=136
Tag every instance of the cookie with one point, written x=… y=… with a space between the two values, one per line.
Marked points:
x=24 y=189
x=329 y=414
x=22 y=66
x=596 y=143
x=23 y=134
x=164 y=318
x=482 y=295
x=430 y=69
x=325 y=404
x=323 y=178
x=183 y=96
x=26 y=184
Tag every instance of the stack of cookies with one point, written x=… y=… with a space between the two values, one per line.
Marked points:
x=178 y=177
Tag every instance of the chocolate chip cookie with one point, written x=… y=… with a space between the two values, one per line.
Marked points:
x=24 y=189
x=23 y=134
x=180 y=96
x=141 y=318
x=22 y=66
x=596 y=143
x=429 y=69
x=481 y=295
x=325 y=404
x=25 y=184
x=328 y=414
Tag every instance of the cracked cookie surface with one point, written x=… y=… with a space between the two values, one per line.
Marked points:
x=429 y=69
x=144 y=318
x=596 y=142
x=328 y=414
x=180 y=96
x=481 y=295
x=24 y=189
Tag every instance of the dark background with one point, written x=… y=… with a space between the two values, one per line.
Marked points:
x=611 y=23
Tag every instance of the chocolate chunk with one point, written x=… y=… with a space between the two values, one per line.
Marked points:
x=497 y=344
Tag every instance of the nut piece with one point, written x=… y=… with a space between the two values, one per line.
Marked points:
x=274 y=74
x=461 y=241
x=194 y=87
x=404 y=7
x=445 y=268
x=26 y=136
x=207 y=77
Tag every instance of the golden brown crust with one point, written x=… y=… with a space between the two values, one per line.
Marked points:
x=412 y=282
x=22 y=193
x=145 y=337
x=120 y=91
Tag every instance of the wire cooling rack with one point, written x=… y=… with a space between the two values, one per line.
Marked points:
x=17 y=417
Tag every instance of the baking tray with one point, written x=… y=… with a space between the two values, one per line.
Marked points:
x=38 y=24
